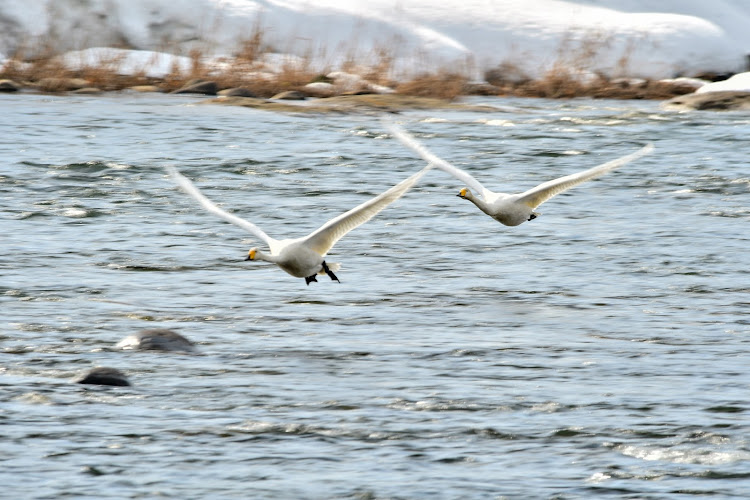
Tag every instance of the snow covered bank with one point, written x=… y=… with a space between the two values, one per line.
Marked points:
x=738 y=83
x=637 y=38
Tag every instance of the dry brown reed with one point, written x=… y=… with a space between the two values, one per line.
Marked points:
x=442 y=84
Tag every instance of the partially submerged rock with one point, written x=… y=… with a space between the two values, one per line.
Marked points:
x=205 y=87
x=290 y=95
x=9 y=86
x=711 y=101
x=156 y=339
x=237 y=92
x=103 y=376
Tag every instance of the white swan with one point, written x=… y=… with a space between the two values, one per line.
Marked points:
x=512 y=209
x=305 y=257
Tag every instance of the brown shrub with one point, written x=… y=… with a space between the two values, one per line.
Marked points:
x=555 y=84
x=443 y=85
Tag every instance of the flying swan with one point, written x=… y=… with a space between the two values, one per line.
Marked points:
x=512 y=209
x=305 y=257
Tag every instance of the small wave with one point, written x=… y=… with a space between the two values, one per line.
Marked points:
x=31 y=215
x=118 y=166
x=496 y=122
x=598 y=477
x=437 y=405
x=75 y=213
x=34 y=398
x=606 y=122
x=87 y=166
x=731 y=214
x=684 y=456
x=295 y=429
x=147 y=268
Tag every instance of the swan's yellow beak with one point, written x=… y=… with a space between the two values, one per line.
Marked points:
x=251 y=255
x=462 y=193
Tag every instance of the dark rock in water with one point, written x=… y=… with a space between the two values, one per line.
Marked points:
x=290 y=95
x=156 y=339
x=205 y=87
x=103 y=376
x=727 y=100
x=238 y=92
x=9 y=86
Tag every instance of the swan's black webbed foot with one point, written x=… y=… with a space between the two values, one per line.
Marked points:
x=532 y=216
x=310 y=279
x=329 y=272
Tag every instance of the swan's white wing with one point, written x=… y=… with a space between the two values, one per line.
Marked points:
x=411 y=143
x=332 y=231
x=543 y=192
x=193 y=191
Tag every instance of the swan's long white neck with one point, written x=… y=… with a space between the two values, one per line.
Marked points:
x=480 y=203
x=267 y=257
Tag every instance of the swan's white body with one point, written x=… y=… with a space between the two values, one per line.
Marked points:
x=512 y=209
x=305 y=257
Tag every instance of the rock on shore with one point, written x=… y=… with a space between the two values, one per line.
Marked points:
x=727 y=100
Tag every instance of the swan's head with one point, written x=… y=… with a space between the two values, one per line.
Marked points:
x=464 y=193
x=251 y=253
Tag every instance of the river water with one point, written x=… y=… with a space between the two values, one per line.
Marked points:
x=599 y=351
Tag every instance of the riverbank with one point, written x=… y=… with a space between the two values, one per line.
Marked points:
x=299 y=81
x=265 y=80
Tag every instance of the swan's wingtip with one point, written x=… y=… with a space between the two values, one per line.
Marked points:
x=393 y=128
x=173 y=172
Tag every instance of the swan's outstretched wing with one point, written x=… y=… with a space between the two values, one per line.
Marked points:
x=543 y=192
x=193 y=191
x=411 y=143
x=332 y=231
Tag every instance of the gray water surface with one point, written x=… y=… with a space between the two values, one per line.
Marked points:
x=600 y=350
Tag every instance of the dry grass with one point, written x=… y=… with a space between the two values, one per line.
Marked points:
x=38 y=65
x=557 y=86
x=573 y=74
x=442 y=84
